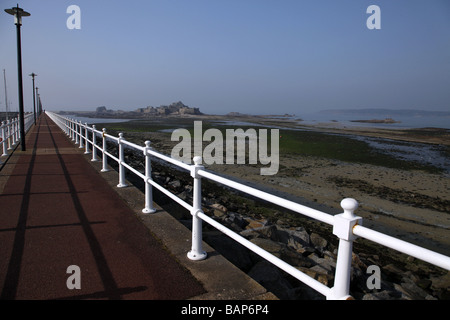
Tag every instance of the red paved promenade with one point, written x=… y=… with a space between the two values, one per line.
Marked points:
x=56 y=211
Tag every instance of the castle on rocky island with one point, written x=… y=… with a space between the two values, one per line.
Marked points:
x=176 y=108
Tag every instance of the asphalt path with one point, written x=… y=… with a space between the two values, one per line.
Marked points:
x=63 y=227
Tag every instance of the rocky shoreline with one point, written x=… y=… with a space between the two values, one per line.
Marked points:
x=387 y=120
x=307 y=245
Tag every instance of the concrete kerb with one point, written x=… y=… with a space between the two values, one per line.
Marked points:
x=220 y=278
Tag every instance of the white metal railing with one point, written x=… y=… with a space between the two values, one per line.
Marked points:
x=10 y=133
x=346 y=226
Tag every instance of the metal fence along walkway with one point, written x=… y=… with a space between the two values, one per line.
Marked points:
x=58 y=214
x=346 y=226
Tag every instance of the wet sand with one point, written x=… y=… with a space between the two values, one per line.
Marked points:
x=315 y=186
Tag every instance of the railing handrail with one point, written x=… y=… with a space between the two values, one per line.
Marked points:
x=403 y=246
x=10 y=133
x=346 y=226
x=304 y=210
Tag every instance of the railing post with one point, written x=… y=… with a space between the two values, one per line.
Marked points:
x=86 y=143
x=81 y=136
x=122 y=183
x=148 y=187
x=5 y=153
x=197 y=252
x=69 y=127
x=72 y=129
x=343 y=229
x=94 y=144
x=9 y=125
x=75 y=131
x=16 y=131
x=104 y=155
x=12 y=132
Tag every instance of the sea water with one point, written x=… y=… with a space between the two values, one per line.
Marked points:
x=404 y=121
x=424 y=153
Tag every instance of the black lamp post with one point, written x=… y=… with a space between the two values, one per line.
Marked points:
x=18 y=13
x=38 y=100
x=34 y=98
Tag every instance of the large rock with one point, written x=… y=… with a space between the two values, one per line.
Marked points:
x=271 y=278
x=230 y=249
x=318 y=242
x=235 y=220
x=381 y=295
x=441 y=285
x=283 y=252
x=219 y=210
x=410 y=291
x=270 y=246
x=295 y=238
x=323 y=265
x=267 y=231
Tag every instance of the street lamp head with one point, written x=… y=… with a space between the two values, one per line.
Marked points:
x=33 y=74
x=18 y=13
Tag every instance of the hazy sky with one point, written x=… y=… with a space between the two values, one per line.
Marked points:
x=251 y=56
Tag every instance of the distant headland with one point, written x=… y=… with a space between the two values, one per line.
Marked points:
x=388 y=112
x=385 y=116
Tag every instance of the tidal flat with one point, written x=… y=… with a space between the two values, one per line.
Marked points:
x=321 y=164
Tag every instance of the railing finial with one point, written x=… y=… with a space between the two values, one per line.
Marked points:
x=349 y=205
x=197 y=160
